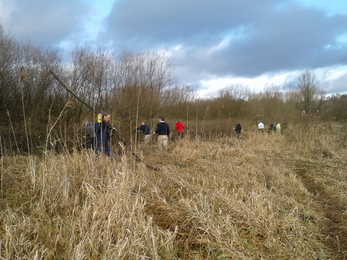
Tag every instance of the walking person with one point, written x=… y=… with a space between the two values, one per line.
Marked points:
x=179 y=129
x=103 y=128
x=163 y=131
x=238 y=129
x=146 y=132
x=261 y=127
x=90 y=136
x=271 y=128
x=278 y=128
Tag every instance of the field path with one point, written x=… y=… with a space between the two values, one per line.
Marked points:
x=334 y=230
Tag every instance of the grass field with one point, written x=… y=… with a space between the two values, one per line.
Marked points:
x=264 y=196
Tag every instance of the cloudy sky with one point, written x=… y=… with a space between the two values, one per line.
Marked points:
x=214 y=43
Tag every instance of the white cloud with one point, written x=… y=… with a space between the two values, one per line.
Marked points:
x=330 y=79
x=6 y=8
x=213 y=44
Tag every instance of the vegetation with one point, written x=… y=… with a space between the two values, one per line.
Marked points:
x=38 y=112
x=264 y=196
x=211 y=196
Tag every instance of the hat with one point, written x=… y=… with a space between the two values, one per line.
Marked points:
x=261 y=120
x=86 y=122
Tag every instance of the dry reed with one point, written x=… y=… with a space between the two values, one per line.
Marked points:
x=258 y=197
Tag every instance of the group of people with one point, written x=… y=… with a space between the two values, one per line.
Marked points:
x=271 y=128
x=163 y=132
x=97 y=137
x=261 y=127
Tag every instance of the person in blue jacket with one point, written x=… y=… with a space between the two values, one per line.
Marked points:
x=146 y=132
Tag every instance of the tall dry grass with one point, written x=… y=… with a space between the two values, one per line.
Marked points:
x=258 y=197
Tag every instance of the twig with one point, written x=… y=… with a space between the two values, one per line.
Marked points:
x=70 y=91
x=56 y=121
x=2 y=166
x=14 y=135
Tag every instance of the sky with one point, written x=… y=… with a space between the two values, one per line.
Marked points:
x=213 y=43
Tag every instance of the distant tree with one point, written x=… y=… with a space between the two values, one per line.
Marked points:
x=232 y=101
x=139 y=81
x=26 y=90
x=321 y=99
x=9 y=73
x=90 y=76
x=307 y=88
x=336 y=107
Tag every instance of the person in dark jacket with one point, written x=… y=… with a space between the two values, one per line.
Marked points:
x=90 y=136
x=146 y=132
x=271 y=128
x=102 y=131
x=163 y=131
x=238 y=129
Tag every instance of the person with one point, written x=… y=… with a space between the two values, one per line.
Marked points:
x=146 y=132
x=163 y=131
x=179 y=129
x=238 y=129
x=271 y=128
x=90 y=136
x=261 y=126
x=102 y=131
x=278 y=128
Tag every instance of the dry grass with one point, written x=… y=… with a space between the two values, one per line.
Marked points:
x=280 y=196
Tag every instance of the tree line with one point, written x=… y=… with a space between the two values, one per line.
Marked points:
x=37 y=112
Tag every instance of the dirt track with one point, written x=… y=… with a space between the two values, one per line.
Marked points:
x=333 y=231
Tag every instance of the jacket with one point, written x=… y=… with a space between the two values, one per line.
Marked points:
x=102 y=131
x=163 y=128
x=179 y=127
x=145 y=129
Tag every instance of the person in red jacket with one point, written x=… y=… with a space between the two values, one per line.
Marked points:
x=179 y=129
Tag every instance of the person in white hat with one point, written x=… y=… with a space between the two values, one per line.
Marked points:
x=261 y=126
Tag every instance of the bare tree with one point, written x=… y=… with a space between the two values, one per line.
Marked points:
x=26 y=87
x=307 y=88
x=139 y=81
x=90 y=74
x=9 y=71
x=232 y=101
